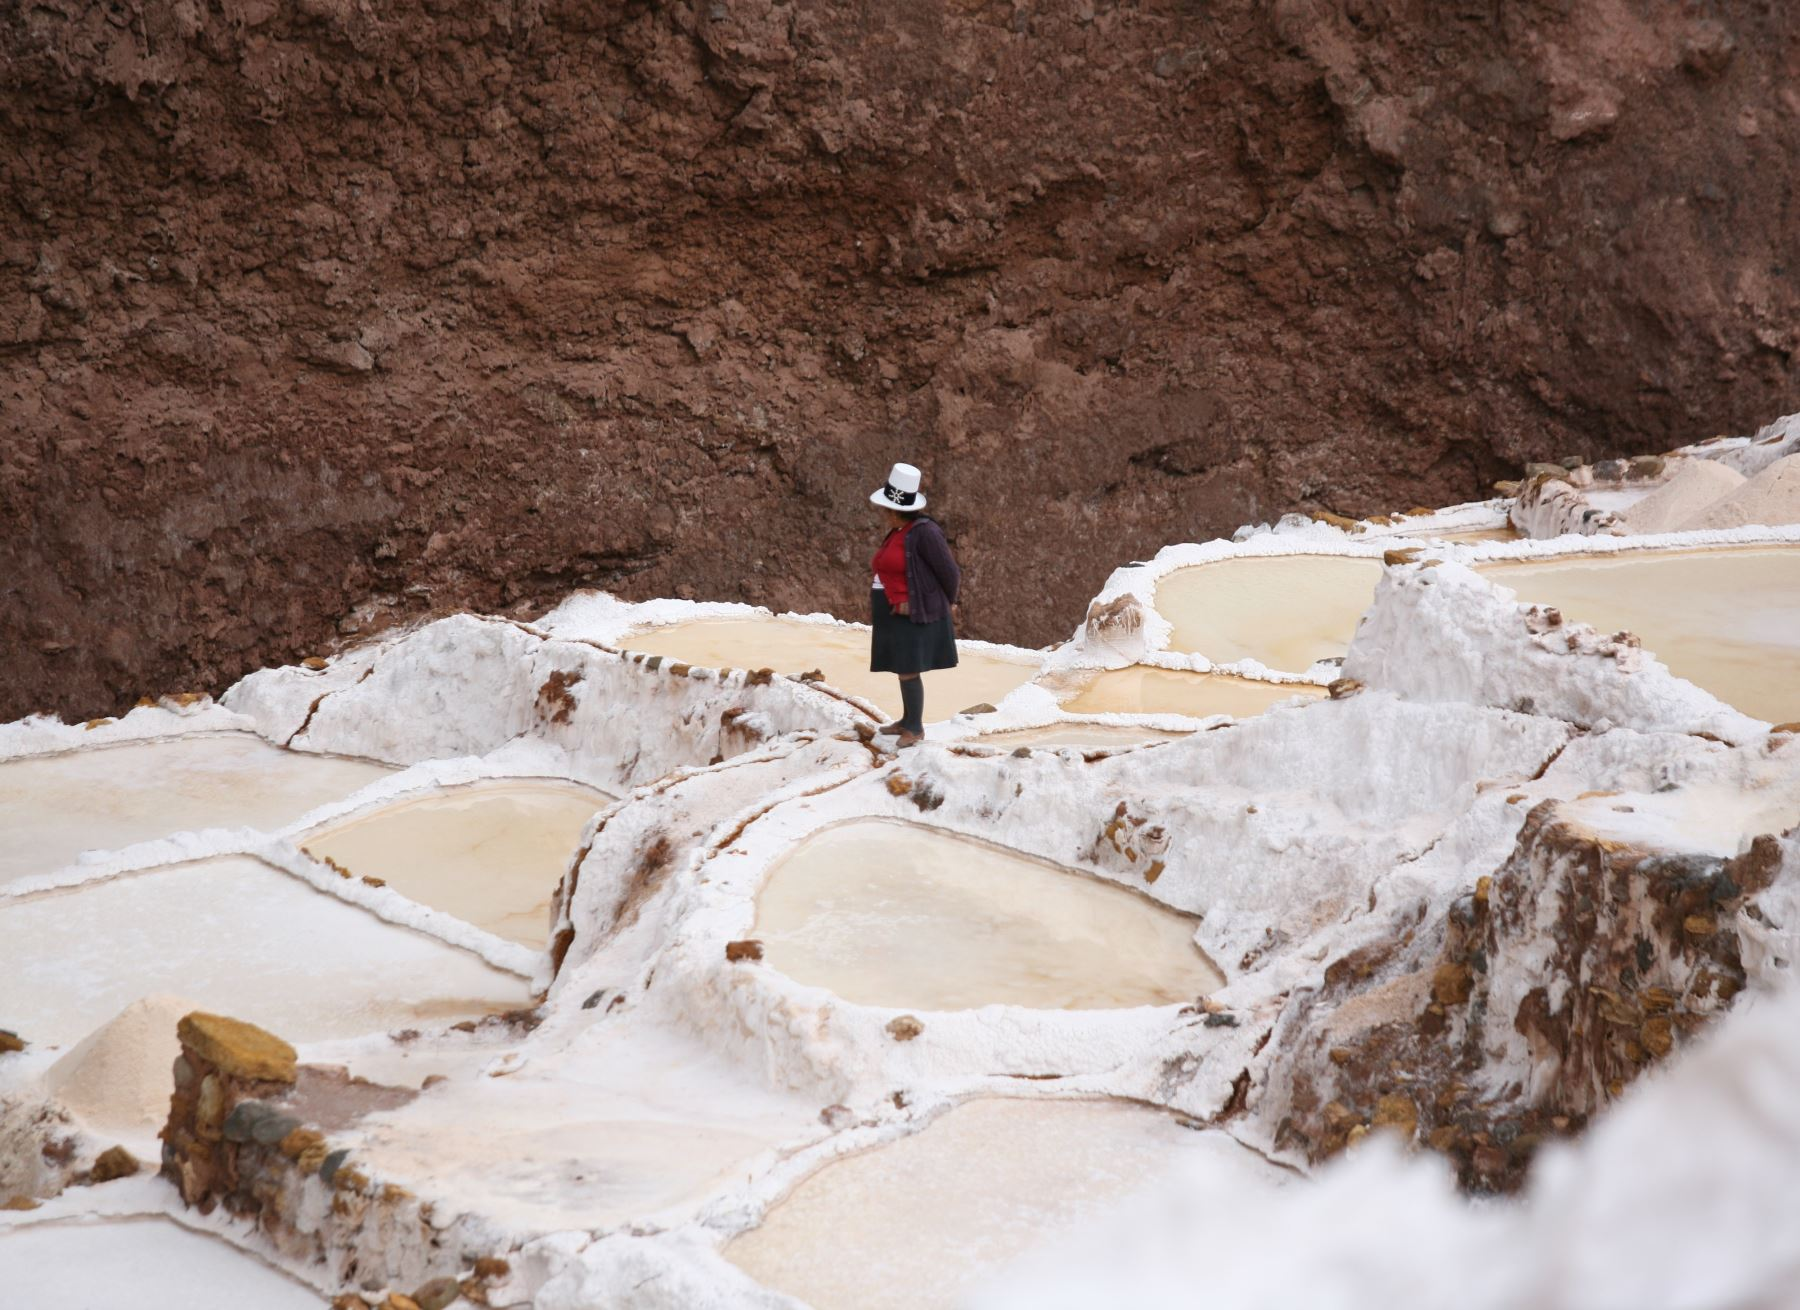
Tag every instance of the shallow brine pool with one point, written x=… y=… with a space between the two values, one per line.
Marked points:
x=916 y=1223
x=140 y=1264
x=1141 y=689
x=53 y=808
x=491 y=854
x=1286 y=611
x=1096 y=735
x=1727 y=620
x=898 y=914
x=237 y=937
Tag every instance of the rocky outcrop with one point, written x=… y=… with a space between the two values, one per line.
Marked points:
x=1529 y=1008
x=246 y=1132
x=315 y=314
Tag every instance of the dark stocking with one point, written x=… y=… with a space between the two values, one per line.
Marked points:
x=912 y=701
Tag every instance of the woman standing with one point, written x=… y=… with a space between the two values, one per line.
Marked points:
x=916 y=581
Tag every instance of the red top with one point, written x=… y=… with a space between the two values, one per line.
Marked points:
x=890 y=566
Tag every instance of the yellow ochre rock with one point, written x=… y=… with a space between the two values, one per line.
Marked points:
x=235 y=1047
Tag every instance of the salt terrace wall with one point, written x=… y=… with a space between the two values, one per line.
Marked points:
x=467 y=685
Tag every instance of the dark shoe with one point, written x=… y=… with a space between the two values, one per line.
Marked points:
x=909 y=739
x=893 y=729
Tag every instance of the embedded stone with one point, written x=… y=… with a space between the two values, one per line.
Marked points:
x=114 y=1162
x=904 y=1028
x=1397 y=1112
x=209 y=1107
x=748 y=949
x=437 y=1294
x=299 y=1141
x=10 y=1041
x=1452 y=983
x=237 y=1048
x=329 y=1166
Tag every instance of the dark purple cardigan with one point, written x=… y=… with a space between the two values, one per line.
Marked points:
x=932 y=578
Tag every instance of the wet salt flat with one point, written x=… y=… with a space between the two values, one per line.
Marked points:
x=916 y=1223
x=1102 y=735
x=54 y=808
x=1287 y=611
x=490 y=854
x=1141 y=689
x=638 y=1121
x=137 y=1264
x=841 y=653
x=238 y=937
x=1728 y=620
x=902 y=915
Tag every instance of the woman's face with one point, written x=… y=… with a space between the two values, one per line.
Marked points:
x=891 y=518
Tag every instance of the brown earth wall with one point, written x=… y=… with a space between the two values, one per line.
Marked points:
x=319 y=313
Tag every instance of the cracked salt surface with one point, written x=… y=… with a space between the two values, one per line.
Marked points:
x=54 y=807
x=1224 y=611
x=921 y=1221
x=1726 y=620
x=236 y=936
x=840 y=652
x=1141 y=689
x=902 y=915
x=144 y=1264
x=491 y=854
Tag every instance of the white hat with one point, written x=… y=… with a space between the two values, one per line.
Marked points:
x=902 y=490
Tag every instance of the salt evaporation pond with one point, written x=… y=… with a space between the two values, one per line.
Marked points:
x=632 y=1122
x=142 y=1264
x=54 y=807
x=1096 y=735
x=491 y=854
x=1286 y=611
x=1727 y=620
x=902 y=915
x=841 y=653
x=914 y=1224
x=1141 y=689
x=235 y=936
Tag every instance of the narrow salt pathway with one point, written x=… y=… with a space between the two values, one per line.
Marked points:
x=841 y=653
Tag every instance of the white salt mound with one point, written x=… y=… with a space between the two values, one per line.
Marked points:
x=118 y=1078
x=1771 y=498
x=1672 y=507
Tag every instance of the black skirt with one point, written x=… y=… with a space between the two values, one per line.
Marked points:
x=898 y=645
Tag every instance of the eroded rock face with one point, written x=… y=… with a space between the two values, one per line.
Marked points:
x=315 y=314
x=1529 y=1008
